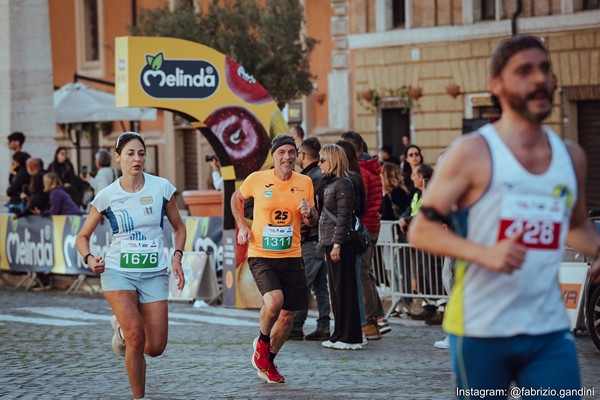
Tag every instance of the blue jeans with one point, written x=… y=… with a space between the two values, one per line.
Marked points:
x=316 y=278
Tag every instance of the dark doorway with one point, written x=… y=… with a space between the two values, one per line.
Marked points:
x=395 y=123
x=588 y=126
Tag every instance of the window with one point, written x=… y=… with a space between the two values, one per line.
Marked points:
x=591 y=4
x=89 y=36
x=488 y=10
x=90 y=28
x=398 y=13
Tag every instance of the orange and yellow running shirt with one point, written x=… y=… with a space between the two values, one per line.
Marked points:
x=277 y=220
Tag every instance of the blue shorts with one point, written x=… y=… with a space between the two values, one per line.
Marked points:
x=538 y=362
x=150 y=286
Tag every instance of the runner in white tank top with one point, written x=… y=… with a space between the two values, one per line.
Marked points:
x=134 y=274
x=517 y=190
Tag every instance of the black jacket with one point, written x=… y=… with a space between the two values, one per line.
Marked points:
x=36 y=197
x=313 y=172
x=395 y=205
x=359 y=193
x=337 y=195
x=19 y=182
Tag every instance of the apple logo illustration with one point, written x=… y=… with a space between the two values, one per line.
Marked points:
x=244 y=85
x=243 y=137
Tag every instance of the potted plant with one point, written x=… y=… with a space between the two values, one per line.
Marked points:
x=453 y=90
x=369 y=99
x=415 y=92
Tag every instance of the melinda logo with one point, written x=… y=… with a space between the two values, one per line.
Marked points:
x=178 y=79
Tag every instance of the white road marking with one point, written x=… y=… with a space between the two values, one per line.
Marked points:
x=65 y=312
x=65 y=316
x=213 y=320
x=42 y=321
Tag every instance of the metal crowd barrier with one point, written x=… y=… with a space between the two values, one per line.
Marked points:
x=404 y=272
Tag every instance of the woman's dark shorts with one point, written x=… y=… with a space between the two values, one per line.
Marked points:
x=285 y=274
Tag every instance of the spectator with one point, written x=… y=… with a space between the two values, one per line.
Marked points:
x=387 y=156
x=355 y=176
x=63 y=168
x=313 y=255
x=19 y=182
x=396 y=198
x=404 y=143
x=15 y=144
x=298 y=134
x=359 y=209
x=35 y=197
x=421 y=175
x=217 y=179
x=105 y=175
x=370 y=169
x=60 y=201
x=413 y=157
x=335 y=203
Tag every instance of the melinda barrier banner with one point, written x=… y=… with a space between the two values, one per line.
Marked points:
x=47 y=244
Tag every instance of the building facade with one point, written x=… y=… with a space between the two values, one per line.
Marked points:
x=419 y=68
x=384 y=68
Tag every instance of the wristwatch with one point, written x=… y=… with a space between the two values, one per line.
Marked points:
x=336 y=245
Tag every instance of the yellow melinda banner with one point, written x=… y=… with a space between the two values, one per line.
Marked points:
x=209 y=87
x=229 y=106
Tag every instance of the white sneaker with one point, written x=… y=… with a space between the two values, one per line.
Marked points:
x=328 y=344
x=442 y=344
x=347 y=346
x=118 y=343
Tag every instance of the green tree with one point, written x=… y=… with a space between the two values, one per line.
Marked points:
x=267 y=40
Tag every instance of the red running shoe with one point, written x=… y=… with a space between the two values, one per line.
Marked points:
x=260 y=358
x=270 y=374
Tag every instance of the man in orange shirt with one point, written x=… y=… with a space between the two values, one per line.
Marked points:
x=283 y=199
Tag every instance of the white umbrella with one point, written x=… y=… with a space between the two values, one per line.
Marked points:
x=76 y=102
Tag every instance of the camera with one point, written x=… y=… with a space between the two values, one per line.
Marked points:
x=209 y=157
x=84 y=170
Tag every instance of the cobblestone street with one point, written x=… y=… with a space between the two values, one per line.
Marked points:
x=56 y=346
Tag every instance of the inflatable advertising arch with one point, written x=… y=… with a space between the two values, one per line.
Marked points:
x=233 y=111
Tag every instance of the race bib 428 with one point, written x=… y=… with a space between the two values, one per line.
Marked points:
x=536 y=234
x=540 y=219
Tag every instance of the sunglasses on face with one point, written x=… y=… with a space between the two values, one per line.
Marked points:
x=413 y=154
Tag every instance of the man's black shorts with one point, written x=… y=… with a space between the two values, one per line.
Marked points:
x=285 y=274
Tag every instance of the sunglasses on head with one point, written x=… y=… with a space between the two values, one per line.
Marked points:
x=126 y=135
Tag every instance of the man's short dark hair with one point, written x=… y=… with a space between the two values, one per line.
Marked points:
x=509 y=47
x=354 y=138
x=387 y=148
x=21 y=157
x=312 y=147
x=17 y=136
x=299 y=130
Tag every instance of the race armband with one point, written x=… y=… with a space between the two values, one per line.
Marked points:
x=434 y=215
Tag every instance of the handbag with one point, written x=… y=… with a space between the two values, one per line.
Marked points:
x=359 y=233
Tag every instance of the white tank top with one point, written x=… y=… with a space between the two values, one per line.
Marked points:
x=485 y=303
